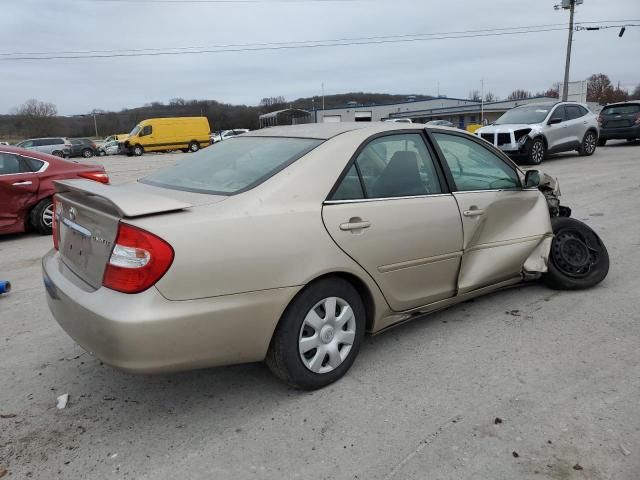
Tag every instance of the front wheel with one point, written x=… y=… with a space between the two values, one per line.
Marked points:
x=87 y=153
x=578 y=257
x=588 y=146
x=319 y=335
x=138 y=150
x=536 y=152
x=41 y=217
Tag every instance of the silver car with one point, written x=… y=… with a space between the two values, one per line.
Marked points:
x=531 y=132
x=58 y=146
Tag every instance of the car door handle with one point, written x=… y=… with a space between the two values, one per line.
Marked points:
x=17 y=184
x=474 y=212
x=354 y=225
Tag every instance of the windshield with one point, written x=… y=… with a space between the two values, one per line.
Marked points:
x=233 y=166
x=527 y=115
x=135 y=131
x=621 y=109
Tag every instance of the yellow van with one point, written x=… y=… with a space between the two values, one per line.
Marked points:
x=188 y=134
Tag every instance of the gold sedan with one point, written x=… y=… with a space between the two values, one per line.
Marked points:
x=288 y=244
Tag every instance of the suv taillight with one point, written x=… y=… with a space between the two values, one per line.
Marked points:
x=600 y=120
x=54 y=223
x=138 y=260
x=637 y=122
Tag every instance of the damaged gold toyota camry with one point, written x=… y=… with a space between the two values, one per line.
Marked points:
x=288 y=244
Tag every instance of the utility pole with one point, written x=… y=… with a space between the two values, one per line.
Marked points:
x=95 y=123
x=571 y=6
x=323 y=100
x=482 y=102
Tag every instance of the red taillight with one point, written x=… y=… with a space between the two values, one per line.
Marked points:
x=54 y=223
x=96 y=176
x=600 y=120
x=637 y=122
x=138 y=260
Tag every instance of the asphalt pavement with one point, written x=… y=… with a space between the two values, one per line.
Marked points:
x=527 y=383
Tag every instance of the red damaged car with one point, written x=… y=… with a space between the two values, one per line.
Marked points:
x=26 y=187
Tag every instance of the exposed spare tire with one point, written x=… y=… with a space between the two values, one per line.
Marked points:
x=578 y=257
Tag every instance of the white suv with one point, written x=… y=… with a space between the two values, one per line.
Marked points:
x=533 y=131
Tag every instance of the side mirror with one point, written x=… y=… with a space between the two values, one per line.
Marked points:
x=532 y=179
x=555 y=121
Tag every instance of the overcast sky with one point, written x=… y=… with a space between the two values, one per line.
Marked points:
x=533 y=61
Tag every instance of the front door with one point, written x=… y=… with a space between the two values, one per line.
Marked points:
x=392 y=214
x=18 y=188
x=503 y=223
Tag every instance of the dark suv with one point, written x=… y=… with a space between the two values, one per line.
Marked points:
x=620 y=121
x=83 y=147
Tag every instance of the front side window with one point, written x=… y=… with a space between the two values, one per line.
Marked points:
x=560 y=113
x=147 y=130
x=473 y=166
x=232 y=167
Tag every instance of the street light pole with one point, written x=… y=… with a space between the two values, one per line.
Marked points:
x=565 y=90
x=95 y=123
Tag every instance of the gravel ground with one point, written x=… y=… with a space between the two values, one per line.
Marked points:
x=527 y=383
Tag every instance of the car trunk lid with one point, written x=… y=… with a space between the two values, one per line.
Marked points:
x=88 y=213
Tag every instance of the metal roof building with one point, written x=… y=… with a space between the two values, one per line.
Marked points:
x=288 y=116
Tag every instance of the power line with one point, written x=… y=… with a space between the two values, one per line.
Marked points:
x=279 y=47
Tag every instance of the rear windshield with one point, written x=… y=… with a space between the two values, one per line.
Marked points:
x=526 y=115
x=621 y=109
x=232 y=166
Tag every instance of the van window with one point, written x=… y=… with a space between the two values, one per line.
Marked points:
x=147 y=130
x=231 y=167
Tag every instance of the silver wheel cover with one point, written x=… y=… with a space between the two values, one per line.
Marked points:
x=327 y=335
x=47 y=216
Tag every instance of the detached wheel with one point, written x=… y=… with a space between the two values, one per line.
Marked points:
x=41 y=217
x=319 y=335
x=602 y=142
x=536 y=152
x=194 y=147
x=138 y=150
x=87 y=153
x=578 y=257
x=589 y=143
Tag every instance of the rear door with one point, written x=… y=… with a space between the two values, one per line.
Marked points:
x=392 y=214
x=18 y=190
x=576 y=122
x=503 y=223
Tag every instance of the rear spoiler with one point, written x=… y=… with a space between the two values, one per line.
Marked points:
x=129 y=202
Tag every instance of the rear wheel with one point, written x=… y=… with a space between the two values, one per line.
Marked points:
x=41 y=217
x=138 y=150
x=319 y=335
x=536 y=152
x=194 y=147
x=589 y=142
x=578 y=257
x=58 y=153
x=87 y=153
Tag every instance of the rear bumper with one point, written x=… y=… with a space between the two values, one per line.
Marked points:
x=620 y=133
x=146 y=333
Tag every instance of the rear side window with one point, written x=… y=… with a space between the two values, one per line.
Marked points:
x=350 y=187
x=11 y=164
x=231 y=167
x=621 y=109
x=34 y=165
x=573 y=112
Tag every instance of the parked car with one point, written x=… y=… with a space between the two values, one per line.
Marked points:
x=288 y=243
x=188 y=134
x=26 y=187
x=442 y=123
x=398 y=120
x=620 y=121
x=4 y=143
x=533 y=131
x=83 y=147
x=109 y=148
x=226 y=134
x=58 y=146
x=120 y=137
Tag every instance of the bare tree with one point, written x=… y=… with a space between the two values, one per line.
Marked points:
x=490 y=97
x=475 y=95
x=273 y=101
x=37 y=118
x=600 y=89
x=519 y=94
x=636 y=93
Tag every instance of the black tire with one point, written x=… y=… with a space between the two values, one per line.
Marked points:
x=589 y=143
x=87 y=153
x=284 y=358
x=536 y=151
x=38 y=218
x=137 y=150
x=194 y=147
x=184 y=150
x=58 y=153
x=602 y=142
x=578 y=257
